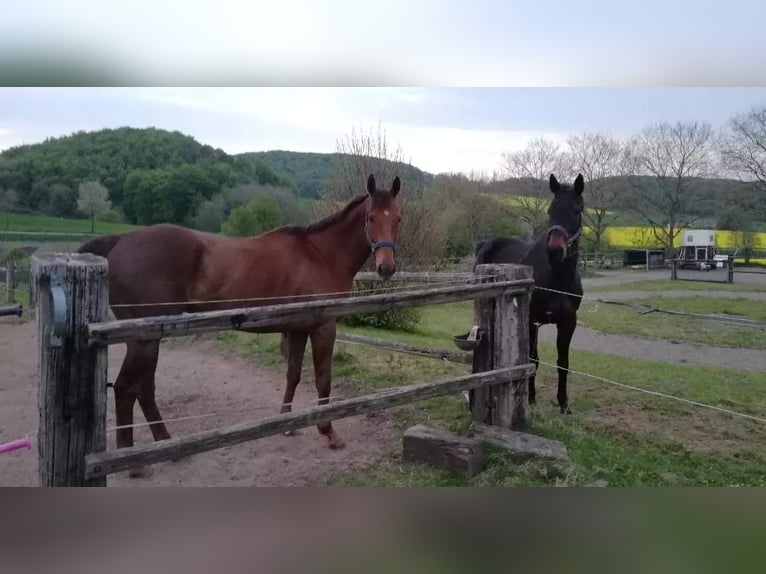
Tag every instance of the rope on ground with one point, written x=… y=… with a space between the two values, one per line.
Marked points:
x=744 y=322
x=659 y=394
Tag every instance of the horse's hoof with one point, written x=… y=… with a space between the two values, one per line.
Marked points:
x=566 y=410
x=138 y=472
x=337 y=443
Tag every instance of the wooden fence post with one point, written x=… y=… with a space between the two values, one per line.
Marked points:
x=71 y=291
x=505 y=323
x=730 y=270
x=10 y=282
x=673 y=269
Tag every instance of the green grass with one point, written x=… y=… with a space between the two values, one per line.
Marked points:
x=669 y=285
x=739 y=307
x=60 y=225
x=617 y=319
x=621 y=436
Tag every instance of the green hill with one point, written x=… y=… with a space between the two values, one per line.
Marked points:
x=152 y=175
x=309 y=171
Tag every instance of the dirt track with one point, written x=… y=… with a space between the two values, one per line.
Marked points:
x=195 y=378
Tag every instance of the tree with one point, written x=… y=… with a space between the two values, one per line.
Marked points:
x=9 y=201
x=93 y=200
x=743 y=146
x=364 y=153
x=598 y=157
x=260 y=215
x=534 y=164
x=465 y=213
x=664 y=160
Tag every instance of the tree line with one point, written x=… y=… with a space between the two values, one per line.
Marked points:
x=670 y=175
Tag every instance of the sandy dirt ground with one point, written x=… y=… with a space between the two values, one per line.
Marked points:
x=196 y=377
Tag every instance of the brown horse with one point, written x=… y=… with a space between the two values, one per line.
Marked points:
x=165 y=264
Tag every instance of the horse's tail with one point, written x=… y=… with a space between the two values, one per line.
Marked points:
x=100 y=245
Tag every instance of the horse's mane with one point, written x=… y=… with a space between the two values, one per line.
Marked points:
x=378 y=199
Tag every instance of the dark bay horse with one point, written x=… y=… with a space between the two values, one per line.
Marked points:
x=164 y=264
x=554 y=257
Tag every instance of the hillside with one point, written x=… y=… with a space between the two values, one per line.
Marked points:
x=151 y=174
x=309 y=171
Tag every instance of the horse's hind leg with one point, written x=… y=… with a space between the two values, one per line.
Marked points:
x=566 y=329
x=322 y=344
x=146 y=400
x=535 y=360
x=136 y=374
x=294 y=347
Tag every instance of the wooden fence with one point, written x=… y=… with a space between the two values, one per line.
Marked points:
x=74 y=335
x=683 y=271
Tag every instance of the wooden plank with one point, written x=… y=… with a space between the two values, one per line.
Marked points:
x=275 y=318
x=104 y=463
x=72 y=375
x=418 y=277
x=442 y=449
x=399 y=347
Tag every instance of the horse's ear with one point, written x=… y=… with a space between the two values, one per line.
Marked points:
x=579 y=184
x=396 y=186
x=554 y=183
x=371 y=184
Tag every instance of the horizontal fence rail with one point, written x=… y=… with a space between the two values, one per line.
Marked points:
x=419 y=277
x=276 y=317
x=108 y=462
x=399 y=347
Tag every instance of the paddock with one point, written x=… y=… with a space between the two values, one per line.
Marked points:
x=254 y=390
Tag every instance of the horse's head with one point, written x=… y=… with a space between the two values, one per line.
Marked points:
x=565 y=217
x=381 y=225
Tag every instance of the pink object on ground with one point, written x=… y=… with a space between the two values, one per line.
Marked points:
x=15 y=445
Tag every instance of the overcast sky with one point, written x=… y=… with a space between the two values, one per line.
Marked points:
x=439 y=129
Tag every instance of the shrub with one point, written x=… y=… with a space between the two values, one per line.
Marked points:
x=393 y=319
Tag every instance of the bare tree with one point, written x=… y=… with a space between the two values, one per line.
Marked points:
x=665 y=159
x=363 y=153
x=533 y=165
x=598 y=157
x=743 y=146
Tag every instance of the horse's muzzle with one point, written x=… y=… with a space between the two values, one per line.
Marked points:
x=386 y=270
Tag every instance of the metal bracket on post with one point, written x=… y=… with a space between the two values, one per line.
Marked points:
x=59 y=311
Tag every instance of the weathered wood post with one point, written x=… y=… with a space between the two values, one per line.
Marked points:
x=730 y=265
x=10 y=282
x=673 y=269
x=71 y=292
x=504 y=321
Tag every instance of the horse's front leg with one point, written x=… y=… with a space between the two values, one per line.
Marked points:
x=322 y=344
x=566 y=328
x=533 y=330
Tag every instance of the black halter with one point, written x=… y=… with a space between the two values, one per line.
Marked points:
x=374 y=246
x=570 y=240
x=564 y=232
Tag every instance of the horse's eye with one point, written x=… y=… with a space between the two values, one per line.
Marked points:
x=371 y=219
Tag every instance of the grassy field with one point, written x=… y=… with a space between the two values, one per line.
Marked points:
x=623 y=437
x=625 y=321
x=41 y=223
x=668 y=285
